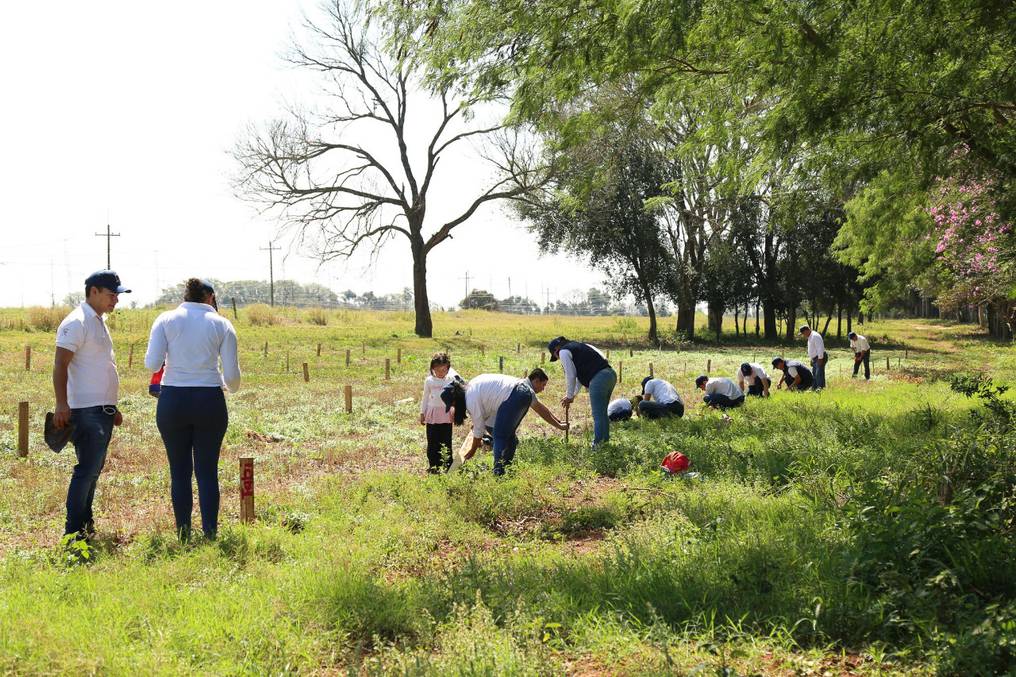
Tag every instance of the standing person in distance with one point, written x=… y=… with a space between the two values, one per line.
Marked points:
x=86 y=385
x=660 y=399
x=721 y=393
x=795 y=374
x=435 y=415
x=585 y=365
x=191 y=413
x=862 y=353
x=817 y=354
x=755 y=378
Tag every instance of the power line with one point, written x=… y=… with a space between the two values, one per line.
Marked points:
x=109 y=235
x=271 y=272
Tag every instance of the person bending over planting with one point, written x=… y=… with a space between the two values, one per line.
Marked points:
x=497 y=403
x=755 y=378
x=795 y=374
x=660 y=399
x=585 y=365
x=721 y=393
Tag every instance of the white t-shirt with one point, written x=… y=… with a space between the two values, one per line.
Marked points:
x=860 y=344
x=757 y=372
x=723 y=386
x=618 y=406
x=484 y=394
x=816 y=346
x=92 y=380
x=190 y=340
x=661 y=392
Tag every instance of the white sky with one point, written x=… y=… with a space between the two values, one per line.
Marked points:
x=128 y=111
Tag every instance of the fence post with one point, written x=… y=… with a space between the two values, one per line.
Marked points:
x=518 y=348
x=287 y=361
x=28 y=358
x=631 y=353
x=246 y=490
x=319 y=350
x=709 y=366
x=347 y=356
x=363 y=348
x=398 y=355
x=620 y=370
x=388 y=368
x=306 y=373
x=887 y=363
x=348 y=392
x=130 y=357
x=233 y=301
x=500 y=364
x=543 y=356
x=266 y=349
x=23 y=429
x=650 y=370
x=567 y=423
x=608 y=355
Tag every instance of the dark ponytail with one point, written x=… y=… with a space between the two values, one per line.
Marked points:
x=197 y=290
x=459 y=400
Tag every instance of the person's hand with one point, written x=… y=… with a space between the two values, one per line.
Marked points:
x=117 y=418
x=566 y=401
x=61 y=416
x=422 y=420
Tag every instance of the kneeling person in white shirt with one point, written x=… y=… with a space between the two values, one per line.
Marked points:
x=721 y=393
x=755 y=377
x=660 y=399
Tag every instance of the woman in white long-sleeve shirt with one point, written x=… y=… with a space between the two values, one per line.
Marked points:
x=191 y=414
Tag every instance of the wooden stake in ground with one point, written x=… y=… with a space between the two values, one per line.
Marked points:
x=247 y=490
x=887 y=363
x=306 y=373
x=631 y=353
x=347 y=356
x=518 y=348
x=388 y=368
x=287 y=361
x=130 y=357
x=543 y=356
x=650 y=370
x=398 y=356
x=233 y=301
x=608 y=355
x=363 y=348
x=319 y=350
x=23 y=429
x=500 y=364
x=709 y=366
x=266 y=349
x=28 y=358
x=567 y=423
x=620 y=370
x=348 y=392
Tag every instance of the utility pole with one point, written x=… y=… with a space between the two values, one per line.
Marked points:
x=271 y=272
x=466 y=278
x=509 y=286
x=109 y=235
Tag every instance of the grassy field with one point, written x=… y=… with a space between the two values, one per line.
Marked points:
x=867 y=529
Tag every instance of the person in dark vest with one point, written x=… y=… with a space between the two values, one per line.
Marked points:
x=795 y=374
x=584 y=365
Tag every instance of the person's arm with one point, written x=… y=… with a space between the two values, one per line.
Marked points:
x=61 y=362
x=424 y=400
x=230 y=359
x=570 y=376
x=547 y=415
x=477 y=441
x=740 y=379
x=765 y=385
x=155 y=355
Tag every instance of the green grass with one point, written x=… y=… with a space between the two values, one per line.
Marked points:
x=866 y=529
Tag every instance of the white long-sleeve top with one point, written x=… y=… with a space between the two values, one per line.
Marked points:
x=571 y=378
x=191 y=340
x=431 y=404
x=860 y=344
x=816 y=346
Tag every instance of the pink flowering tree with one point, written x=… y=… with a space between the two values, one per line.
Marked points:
x=974 y=247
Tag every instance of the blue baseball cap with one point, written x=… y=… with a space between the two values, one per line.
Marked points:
x=106 y=279
x=554 y=345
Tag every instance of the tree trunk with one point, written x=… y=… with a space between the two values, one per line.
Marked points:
x=716 y=319
x=424 y=325
x=772 y=331
x=756 y=319
x=653 y=333
x=737 y=321
x=791 y=321
x=686 y=314
x=850 y=320
x=825 y=327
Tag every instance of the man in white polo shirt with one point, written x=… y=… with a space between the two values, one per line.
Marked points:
x=817 y=355
x=87 y=387
x=721 y=392
x=862 y=353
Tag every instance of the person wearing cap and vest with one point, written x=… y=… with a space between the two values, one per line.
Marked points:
x=660 y=399
x=584 y=365
x=755 y=378
x=795 y=374
x=721 y=393
x=87 y=386
x=862 y=353
x=497 y=403
x=817 y=354
x=191 y=414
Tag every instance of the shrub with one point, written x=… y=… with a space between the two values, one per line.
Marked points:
x=260 y=315
x=46 y=319
x=317 y=316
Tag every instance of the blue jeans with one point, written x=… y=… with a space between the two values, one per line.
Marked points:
x=192 y=422
x=506 y=422
x=650 y=409
x=601 y=387
x=818 y=370
x=93 y=428
x=722 y=401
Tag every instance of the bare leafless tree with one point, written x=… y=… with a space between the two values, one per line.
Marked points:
x=343 y=193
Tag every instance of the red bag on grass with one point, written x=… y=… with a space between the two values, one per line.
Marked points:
x=675 y=462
